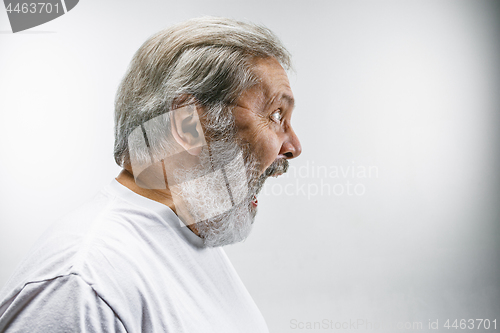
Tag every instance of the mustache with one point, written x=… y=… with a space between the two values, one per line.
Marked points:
x=278 y=167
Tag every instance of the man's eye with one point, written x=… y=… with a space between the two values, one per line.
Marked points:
x=276 y=116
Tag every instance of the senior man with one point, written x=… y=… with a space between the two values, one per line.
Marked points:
x=202 y=119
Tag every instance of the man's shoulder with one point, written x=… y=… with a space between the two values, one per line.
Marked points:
x=61 y=304
x=102 y=235
x=107 y=244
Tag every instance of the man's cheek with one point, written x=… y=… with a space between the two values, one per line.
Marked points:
x=270 y=149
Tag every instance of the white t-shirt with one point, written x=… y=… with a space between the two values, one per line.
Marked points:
x=123 y=263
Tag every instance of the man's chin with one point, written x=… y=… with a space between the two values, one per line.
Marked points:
x=228 y=228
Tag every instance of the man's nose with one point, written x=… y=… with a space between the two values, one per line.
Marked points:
x=291 y=147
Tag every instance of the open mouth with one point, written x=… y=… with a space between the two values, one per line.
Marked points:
x=255 y=202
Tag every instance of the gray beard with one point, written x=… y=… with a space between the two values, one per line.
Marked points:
x=234 y=218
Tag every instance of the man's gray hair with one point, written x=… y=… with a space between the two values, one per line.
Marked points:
x=208 y=59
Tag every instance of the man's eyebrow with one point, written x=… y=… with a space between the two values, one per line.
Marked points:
x=288 y=99
x=283 y=98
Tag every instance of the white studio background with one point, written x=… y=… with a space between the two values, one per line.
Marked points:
x=390 y=215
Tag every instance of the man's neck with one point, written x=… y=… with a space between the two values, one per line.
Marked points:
x=162 y=196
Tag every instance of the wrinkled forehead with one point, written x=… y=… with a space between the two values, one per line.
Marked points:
x=273 y=85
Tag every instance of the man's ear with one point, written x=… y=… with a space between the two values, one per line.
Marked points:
x=187 y=130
